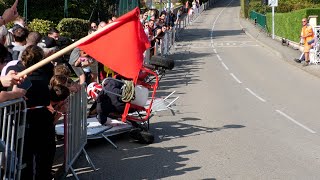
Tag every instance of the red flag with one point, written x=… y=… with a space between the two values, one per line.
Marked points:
x=120 y=45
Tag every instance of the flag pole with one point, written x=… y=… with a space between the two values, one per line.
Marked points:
x=62 y=51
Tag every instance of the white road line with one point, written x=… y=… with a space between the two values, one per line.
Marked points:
x=225 y=66
x=235 y=78
x=261 y=99
x=214 y=23
x=220 y=59
x=215 y=51
x=296 y=122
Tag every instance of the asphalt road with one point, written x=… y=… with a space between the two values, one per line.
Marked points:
x=243 y=113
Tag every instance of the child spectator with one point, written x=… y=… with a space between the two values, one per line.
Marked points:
x=61 y=76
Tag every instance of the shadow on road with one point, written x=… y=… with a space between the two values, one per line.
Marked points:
x=166 y=131
x=139 y=161
x=187 y=65
x=134 y=161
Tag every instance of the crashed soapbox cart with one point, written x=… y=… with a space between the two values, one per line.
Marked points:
x=142 y=108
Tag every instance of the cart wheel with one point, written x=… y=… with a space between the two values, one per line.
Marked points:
x=147 y=137
x=144 y=137
x=162 y=62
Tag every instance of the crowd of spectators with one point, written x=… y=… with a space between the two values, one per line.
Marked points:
x=47 y=88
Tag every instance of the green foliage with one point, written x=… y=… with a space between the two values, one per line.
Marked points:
x=283 y=6
x=257 y=7
x=244 y=8
x=40 y=25
x=288 y=25
x=73 y=27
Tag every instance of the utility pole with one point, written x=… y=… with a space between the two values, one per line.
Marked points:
x=25 y=10
x=273 y=3
x=65 y=9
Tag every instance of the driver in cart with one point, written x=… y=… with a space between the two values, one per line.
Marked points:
x=109 y=102
x=105 y=103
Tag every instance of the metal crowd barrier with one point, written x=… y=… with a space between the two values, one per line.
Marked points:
x=12 y=125
x=75 y=130
x=167 y=42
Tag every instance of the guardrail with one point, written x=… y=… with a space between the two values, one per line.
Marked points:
x=170 y=37
x=75 y=130
x=258 y=19
x=12 y=124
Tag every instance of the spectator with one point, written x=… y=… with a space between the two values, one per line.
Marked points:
x=33 y=38
x=18 y=22
x=39 y=132
x=61 y=71
x=16 y=92
x=78 y=60
x=144 y=18
x=20 y=35
x=171 y=19
x=93 y=26
x=3 y=39
x=159 y=34
x=151 y=29
x=50 y=41
x=306 y=35
x=9 y=14
x=58 y=94
x=146 y=28
x=102 y=24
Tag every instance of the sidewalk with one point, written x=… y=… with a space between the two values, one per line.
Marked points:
x=286 y=53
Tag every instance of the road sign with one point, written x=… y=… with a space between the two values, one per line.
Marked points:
x=273 y=3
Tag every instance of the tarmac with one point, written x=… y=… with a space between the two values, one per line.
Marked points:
x=286 y=52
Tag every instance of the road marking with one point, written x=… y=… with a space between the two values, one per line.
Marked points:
x=136 y=157
x=225 y=66
x=214 y=23
x=235 y=78
x=215 y=51
x=260 y=98
x=296 y=122
x=219 y=57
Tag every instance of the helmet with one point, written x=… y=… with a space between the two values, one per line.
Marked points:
x=93 y=89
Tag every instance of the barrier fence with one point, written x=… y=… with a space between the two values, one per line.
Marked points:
x=167 y=42
x=12 y=124
x=13 y=114
x=258 y=19
x=75 y=130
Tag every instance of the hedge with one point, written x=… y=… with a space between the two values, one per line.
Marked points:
x=288 y=25
x=73 y=27
x=40 y=25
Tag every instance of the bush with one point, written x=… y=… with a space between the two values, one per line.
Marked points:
x=40 y=25
x=288 y=25
x=283 y=6
x=73 y=28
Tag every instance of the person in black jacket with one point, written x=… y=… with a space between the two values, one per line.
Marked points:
x=106 y=103
x=39 y=132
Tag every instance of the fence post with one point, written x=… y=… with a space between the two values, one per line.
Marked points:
x=75 y=130
x=12 y=125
